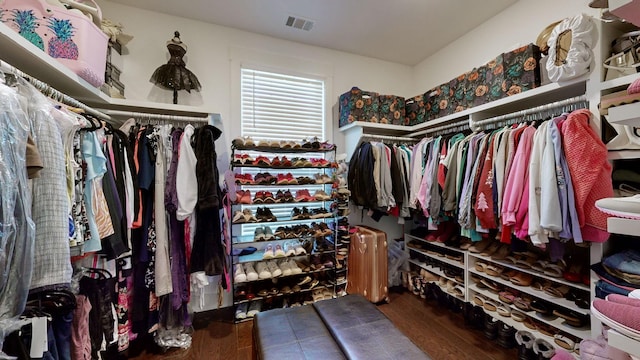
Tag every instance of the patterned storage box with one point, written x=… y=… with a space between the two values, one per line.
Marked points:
x=391 y=109
x=358 y=105
x=431 y=104
x=521 y=70
x=415 y=111
x=457 y=86
x=485 y=82
x=67 y=36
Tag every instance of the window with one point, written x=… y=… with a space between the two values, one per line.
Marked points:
x=281 y=107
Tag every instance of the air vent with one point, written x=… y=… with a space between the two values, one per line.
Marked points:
x=299 y=23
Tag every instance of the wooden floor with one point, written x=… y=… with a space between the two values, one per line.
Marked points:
x=439 y=332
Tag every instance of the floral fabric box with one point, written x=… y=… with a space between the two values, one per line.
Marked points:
x=391 y=109
x=484 y=84
x=415 y=111
x=521 y=70
x=358 y=105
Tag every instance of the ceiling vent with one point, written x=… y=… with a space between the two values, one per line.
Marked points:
x=299 y=23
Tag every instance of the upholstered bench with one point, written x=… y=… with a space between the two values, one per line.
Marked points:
x=347 y=327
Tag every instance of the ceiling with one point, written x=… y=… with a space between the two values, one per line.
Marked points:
x=401 y=31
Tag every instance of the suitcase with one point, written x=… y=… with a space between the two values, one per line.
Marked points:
x=367 y=270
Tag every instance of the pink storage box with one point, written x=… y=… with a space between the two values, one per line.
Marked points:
x=71 y=38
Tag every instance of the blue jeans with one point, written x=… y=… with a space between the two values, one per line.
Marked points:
x=603 y=289
x=627 y=261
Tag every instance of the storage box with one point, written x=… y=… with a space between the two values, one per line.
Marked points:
x=358 y=105
x=69 y=37
x=485 y=82
x=112 y=72
x=457 y=86
x=391 y=109
x=521 y=70
x=415 y=111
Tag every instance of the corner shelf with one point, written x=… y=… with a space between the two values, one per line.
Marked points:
x=623 y=343
x=627 y=114
x=623 y=226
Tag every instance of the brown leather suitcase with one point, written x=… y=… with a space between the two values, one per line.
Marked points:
x=367 y=266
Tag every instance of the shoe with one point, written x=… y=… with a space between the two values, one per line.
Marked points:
x=525 y=340
x=313 y=283
x=625 y=207
x=295 y=269
x=506 y=336
x=268 y=234
x=241 y=311
x=269 y=252
x=306 y=280
x=248 y=216
x=298 y=249
x=238 y=217
x=254 y=308
x=258 y=234
x=252 y=274
x=623 y=317
x=322 y=179
x=321 y=195
x=285 y=268
x=238 y=275
x=319 y=213
x=273 y=268
x=289 y=248
x=263 y=270
x=543 y=349
x=278 y=251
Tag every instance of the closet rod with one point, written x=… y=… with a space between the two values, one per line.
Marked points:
x=459 y=124
x=51 y=92
x=478 y=125
x=388 y=137
x=150 y=116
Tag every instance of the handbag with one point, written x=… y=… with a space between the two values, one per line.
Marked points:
x=625 y=59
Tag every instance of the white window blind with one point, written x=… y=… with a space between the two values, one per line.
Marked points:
x=281 y=107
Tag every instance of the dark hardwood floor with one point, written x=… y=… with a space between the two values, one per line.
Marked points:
x=438 y=331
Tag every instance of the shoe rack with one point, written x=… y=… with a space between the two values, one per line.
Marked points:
x=283 y=224
x=341 y=195
x=503 y=284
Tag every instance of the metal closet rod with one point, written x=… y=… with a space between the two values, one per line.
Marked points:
x=464 y=124
x=161 y=117
x=51 y=92
x=388 y=137
x=477 y=125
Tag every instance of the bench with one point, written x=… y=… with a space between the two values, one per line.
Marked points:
x=349 y=327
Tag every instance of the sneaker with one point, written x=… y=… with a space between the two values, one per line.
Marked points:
x=295 y=269
x=238 y=217
x=278 y=251
x=258 y=234
x=623 y=317
x=625 y=207
x=298 y=249
x=285 y=268
x=248 y=215
x=273 y=268
x=289 y=248
x=268 y=234
x=321 y=195
x=269 y=252
x=241 y=311
x=263 y=270
x=254 y=308
x=306 y=280
x=238 y=275
x=252 y=274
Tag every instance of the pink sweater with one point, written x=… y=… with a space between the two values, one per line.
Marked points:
x=590 y=173
x=515 y=185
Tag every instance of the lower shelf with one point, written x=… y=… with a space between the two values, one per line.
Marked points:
x=624 y=343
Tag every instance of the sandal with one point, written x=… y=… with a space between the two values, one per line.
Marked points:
x=541 y=307
x=564 y=342
x=494 y=270
x=502 y=252
x=555 y=270
x=522 y=279
x=523 y=303
x=490 y=305
x=507 y=297
x=480 y=266
x=518 y=316
x=503 y=310
x=559 y=291
x=479 y=299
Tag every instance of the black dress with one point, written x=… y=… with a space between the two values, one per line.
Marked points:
x=174 y=75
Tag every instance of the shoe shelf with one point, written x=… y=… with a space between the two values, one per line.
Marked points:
x=282 y=221
x=507 y=265
x=279 y=167
x=622 y=226
x=281 y=150
x=533 y=292
x=280 y=294
x=257 y=256
x=439 y=257
x=314 y=186
x=276 y=205
x=624 y=343
x=434 y=243
x=434 y=270
x=285 y=276
x=521 y=325
x=249 y=239
x=583 y=332
x=623 y=154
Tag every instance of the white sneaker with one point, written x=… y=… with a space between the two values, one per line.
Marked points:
x=268 y=252
x=273 y=268
x=299 y=250
x=241 y=311
x=624 y=207
x=285 y=268
x=263 y=271
x=238 y=275
x=254 y=308
x=289 y=248
x=252 y=274
x=294 y=267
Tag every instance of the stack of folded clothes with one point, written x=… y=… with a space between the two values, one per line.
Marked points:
x=619 y=273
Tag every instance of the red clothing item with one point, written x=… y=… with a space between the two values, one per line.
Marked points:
x=484 y=206
x=590 y=173
x=442 y=171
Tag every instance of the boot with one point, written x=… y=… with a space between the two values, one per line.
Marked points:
x=491 y=326
x=525 y=345
x=543 y=349
x=506 y=336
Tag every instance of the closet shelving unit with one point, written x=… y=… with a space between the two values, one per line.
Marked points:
x=25 y=56
x=242 y=234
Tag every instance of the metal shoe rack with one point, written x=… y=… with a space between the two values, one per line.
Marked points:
x=302 y=223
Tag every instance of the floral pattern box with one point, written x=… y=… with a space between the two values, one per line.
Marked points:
x=415 y=111
x=484 y=84
x=359 y=105
x=391 y=109
x=521 y=70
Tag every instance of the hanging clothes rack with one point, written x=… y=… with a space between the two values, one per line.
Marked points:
x=52 y=93
x=384 y=138
x=541 y=112
x=449 y=128
x=156 y=117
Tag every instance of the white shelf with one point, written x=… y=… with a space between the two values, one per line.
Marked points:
x=23 y=55
x=623 y=343
x=434 y=243
x=558 y=323
x=623 y=226
x=439 y=258
x=432 y=270
x=623 y=154
x=505 y=264
x=628 y=114
x=618 y=83
x=533 y=292
x=376 y=128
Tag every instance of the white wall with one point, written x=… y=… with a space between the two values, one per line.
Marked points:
x=518 y=25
